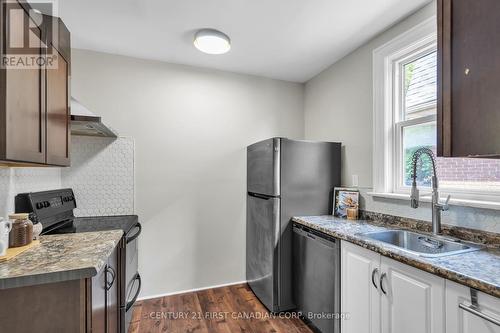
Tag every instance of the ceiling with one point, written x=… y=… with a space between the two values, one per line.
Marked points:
x=290 y=40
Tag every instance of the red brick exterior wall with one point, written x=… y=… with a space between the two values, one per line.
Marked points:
x=468 y=169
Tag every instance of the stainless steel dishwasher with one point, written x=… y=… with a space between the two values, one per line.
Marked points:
x=316 y=278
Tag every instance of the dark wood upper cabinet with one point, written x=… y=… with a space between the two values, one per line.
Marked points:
x=468 y=78
x=34 y=99
x=58 y=112
x=22 y=91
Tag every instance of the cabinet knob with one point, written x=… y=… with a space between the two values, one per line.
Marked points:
x=467 y=71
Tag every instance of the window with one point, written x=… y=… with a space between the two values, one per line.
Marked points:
x=405 y=101
x=415 y=116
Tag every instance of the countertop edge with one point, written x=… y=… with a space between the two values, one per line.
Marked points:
x=47 y=278
x=392 y=254
x=83 y=272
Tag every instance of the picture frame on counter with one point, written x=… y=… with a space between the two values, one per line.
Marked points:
x=344 y=198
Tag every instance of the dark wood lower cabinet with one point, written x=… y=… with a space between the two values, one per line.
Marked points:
x=79 y=306
x=112 y=296
x=54 y=307
x=97 y=300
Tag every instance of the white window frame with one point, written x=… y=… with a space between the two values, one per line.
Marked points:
x=417 y=51
x=387 y=146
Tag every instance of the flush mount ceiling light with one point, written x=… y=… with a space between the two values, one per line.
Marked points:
x=212 y=41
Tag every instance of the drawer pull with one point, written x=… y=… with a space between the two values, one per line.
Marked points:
x=110 y=282
x=475 y=310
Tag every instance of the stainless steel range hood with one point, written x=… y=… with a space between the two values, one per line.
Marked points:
x=85 y=122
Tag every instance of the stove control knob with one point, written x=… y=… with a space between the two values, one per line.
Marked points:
x=46 y=204
x=39 y=205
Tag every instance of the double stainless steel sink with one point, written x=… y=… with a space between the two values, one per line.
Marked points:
x=420 y=244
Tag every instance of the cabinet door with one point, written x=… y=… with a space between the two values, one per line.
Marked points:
x=112 y=301
x=360 y=297
x=461 y=321
x=24 y=129
x=468 y=72
x=98 y=301
x=58 y=111
x=412 y=300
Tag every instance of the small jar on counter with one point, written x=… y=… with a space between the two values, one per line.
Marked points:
x=352 y=213
x=22 y=230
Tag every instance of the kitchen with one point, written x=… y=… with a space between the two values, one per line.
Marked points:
x=139 y=143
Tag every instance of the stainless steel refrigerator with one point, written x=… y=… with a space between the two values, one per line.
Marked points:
x=285 y=178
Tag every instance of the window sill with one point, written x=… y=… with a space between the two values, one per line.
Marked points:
x=453 y=201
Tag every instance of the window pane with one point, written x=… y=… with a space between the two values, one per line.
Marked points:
x=469 y=173
x=415 y=137
x=420 y=86
x=458 y=173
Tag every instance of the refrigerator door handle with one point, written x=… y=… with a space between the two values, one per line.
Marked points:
x=277 y=246
x=261 y=196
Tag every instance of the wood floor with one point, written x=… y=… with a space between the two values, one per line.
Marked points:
x=229 y=309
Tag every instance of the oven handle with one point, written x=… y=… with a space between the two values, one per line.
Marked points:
x=137 y=277
x=134 y=236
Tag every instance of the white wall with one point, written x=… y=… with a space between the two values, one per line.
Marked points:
x=339 y=103
x=338 y=107
x=191 y=127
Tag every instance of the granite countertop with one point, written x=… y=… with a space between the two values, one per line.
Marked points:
x=60 y=258
x=479 y=269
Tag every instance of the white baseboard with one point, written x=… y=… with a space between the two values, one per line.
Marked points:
x=190 y=290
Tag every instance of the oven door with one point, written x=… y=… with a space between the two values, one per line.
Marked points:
x=131 y=286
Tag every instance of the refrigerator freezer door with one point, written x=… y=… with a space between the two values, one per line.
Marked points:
x=263 y=167
x=262 y=250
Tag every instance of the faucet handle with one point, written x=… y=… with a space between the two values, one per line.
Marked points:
x=445 y=206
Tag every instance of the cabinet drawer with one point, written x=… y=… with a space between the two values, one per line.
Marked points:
x=458 y=320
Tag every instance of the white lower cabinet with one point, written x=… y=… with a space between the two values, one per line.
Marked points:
x=412 y=300
x=459 y=320
x=359 y=298
x=381 y=295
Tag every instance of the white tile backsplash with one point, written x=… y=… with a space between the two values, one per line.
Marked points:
x=19 y=180
x=101 y=174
